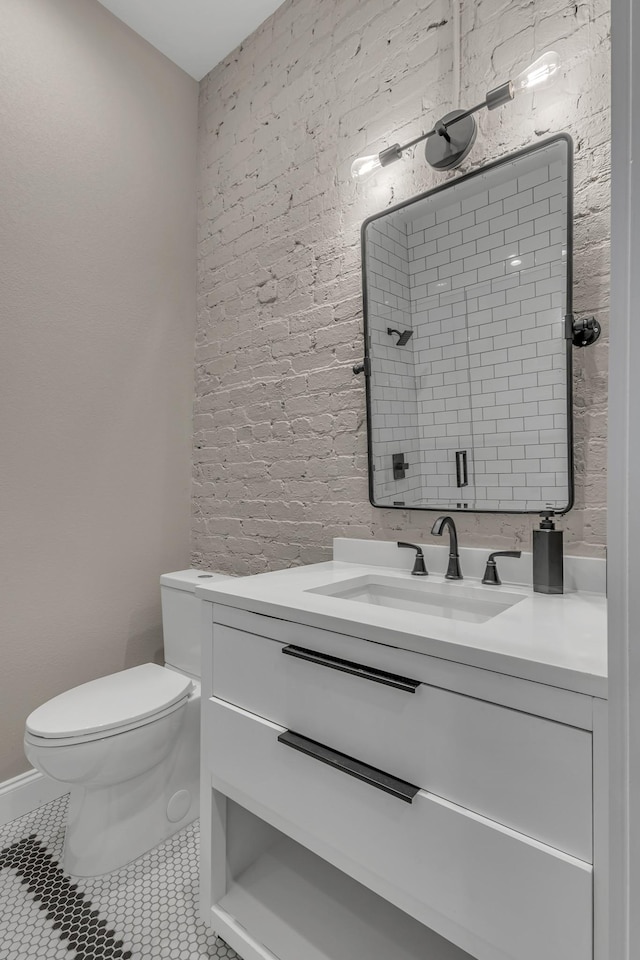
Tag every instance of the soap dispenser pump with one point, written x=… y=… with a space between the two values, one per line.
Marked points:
x=548 y=575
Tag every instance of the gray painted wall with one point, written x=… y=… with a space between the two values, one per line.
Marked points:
x=97 y=172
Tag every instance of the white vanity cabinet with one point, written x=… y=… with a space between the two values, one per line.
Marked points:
x=362 y=801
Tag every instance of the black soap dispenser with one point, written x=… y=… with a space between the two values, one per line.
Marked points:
x=548 y=575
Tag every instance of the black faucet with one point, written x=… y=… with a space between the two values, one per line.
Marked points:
x=419 y=568
x=453 y=570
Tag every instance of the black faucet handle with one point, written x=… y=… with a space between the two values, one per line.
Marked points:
x=419 y=568
x=491 y=571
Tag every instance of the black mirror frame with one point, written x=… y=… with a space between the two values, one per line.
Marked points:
x=558 y=138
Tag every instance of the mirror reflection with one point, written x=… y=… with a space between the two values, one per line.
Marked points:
x=466 y=292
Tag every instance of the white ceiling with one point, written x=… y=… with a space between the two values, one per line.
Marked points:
x=195 y=34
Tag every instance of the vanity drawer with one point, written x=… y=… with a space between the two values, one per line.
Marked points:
x=451 y=869
x=528 y=773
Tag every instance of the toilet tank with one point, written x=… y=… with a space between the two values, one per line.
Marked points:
x=181 y=611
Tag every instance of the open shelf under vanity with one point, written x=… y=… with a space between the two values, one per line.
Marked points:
x=303 y=907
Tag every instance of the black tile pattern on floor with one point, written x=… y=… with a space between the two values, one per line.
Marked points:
x=70 y=911
x=147 y=910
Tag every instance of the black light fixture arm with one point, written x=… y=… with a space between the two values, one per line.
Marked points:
x=457 y=130
x=495 y=98
x=390 y=154
x=469 y=113
x=395 y=151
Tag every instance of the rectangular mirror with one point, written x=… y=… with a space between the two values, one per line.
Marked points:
x=468 y=359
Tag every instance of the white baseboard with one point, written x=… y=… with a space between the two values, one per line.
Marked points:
x=26 y=792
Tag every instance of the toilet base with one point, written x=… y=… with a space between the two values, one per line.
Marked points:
x=109 y=827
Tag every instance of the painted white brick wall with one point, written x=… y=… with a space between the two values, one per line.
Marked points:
x=280 y=441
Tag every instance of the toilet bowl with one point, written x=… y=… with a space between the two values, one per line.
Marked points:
x=128 y=745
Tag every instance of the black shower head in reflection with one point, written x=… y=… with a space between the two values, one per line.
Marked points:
x=403 y=336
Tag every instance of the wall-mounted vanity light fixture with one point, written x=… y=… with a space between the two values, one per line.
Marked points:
x=451 y=139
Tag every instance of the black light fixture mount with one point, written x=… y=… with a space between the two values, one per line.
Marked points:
x=456 y=135
x=453 y=136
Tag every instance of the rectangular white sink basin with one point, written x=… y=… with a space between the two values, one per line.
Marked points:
x=450 y=599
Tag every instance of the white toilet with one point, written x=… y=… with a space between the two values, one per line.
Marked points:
x=128 y=744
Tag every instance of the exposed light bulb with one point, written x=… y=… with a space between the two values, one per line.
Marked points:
x=541 y=72
x=364 y=167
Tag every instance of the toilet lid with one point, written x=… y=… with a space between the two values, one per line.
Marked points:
x=110 y=702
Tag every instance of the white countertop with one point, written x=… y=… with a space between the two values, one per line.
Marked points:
x=557 y=640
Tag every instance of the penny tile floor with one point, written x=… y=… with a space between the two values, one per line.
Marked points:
x=145 y=911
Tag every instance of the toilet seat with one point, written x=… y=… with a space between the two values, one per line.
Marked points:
x=109 y=705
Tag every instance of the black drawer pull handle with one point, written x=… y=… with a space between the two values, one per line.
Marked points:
x=357 y=669
x=361 y=771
